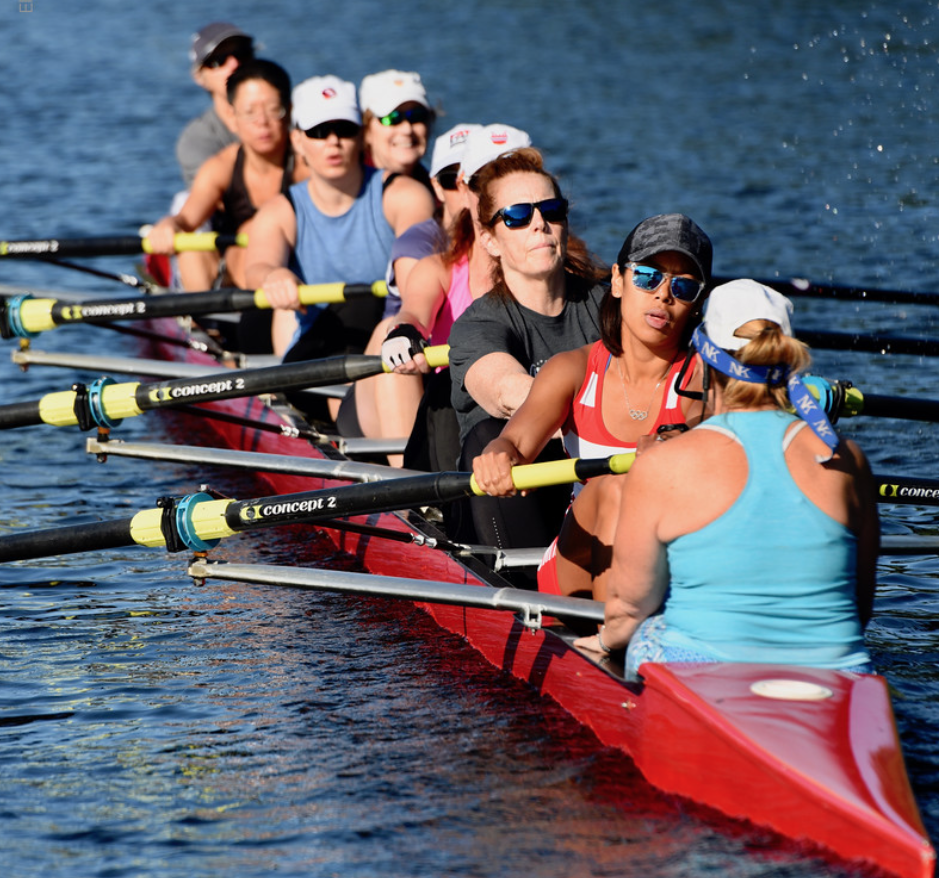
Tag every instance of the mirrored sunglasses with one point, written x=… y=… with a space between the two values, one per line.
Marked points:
x=414 y=115
x=518 y=216
x=685 y=289
x=342 y=128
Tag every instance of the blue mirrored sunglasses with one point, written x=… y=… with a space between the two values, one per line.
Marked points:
x=414 y=115
x=518 y=216
x=685 y=289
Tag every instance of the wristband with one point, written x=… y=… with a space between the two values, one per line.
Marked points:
x=603 y=646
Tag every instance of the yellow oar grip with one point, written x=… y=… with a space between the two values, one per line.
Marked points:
x=194 y=242
x=118 y=401
x=620 y=463
x=208 y=521
x=437 y=355
x=36 y=314
x=557 y=472
x=853 y=404
x=322 y=294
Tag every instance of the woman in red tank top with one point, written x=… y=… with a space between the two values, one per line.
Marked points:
x=614 y=395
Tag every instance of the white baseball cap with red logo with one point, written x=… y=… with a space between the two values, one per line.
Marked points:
x=488 y=143
x=324 y=99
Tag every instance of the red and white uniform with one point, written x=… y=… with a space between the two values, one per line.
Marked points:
x=586 y=435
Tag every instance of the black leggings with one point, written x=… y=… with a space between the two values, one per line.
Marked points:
x=514 y=522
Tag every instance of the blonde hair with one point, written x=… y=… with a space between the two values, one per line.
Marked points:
x=769 y=347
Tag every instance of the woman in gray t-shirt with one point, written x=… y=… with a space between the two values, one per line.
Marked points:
x=545 y=299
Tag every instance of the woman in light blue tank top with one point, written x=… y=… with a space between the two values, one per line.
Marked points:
x=748 y=539
x=336 y=227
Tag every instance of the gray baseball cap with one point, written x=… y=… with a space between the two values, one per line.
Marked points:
x=668 y=231
x=207 y=40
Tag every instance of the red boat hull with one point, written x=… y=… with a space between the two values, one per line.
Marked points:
x=827 y=772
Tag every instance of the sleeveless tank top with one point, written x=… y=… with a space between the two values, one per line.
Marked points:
x=238 y=206
x=585 y=433
x=457 y=301
x=352 y=248
x=774 y=578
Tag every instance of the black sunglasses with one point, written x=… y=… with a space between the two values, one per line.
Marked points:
x=342 y=128
x=414 y=115
x=447 y=180
x=518 y=216
x=219 y=58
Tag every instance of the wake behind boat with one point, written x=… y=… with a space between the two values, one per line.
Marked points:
x=812 y=754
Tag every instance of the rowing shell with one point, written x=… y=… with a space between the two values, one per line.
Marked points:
x=812 y=754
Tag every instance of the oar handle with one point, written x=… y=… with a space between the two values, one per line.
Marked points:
x=200 y=242
x=24 y=316
x=121 y=245
x=327 y=294
x=198 y=520
x=562 y=472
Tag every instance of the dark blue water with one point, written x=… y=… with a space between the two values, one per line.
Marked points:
x=151 y=728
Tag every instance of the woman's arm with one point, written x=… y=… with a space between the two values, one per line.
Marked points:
x=542 y=413
x=498 y=383
x=204 y=198
x=638 y=578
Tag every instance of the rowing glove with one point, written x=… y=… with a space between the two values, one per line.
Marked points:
x=400 y=345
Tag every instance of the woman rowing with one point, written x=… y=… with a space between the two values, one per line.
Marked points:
x=339 y=225
x=545 y=299
x=397 y=119
x=613 y=396
x=241 y=177
x=439 y=289
x=760 y=536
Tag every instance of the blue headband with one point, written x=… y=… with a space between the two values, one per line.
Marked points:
x=805 y=404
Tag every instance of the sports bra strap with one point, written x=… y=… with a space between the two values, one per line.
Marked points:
x=717 y=428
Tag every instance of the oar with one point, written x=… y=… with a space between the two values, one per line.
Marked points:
x=105 y=403
x=24 y=316
x=909 y=408
x=122 y=245
x=890 y=489
x=530 y=605
x=798 y=286
x=197 y=521
x=868 y=344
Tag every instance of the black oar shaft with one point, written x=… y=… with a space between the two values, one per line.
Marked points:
x=20 y=414
x=869 y=344
x=802 y=287
x=25 y=316
x=65 y=540
x=146 y=307
x=250 y=382
x=908 y=408
x=107 y=403
x=119 y=245
x=311 y=506
x=907 y=490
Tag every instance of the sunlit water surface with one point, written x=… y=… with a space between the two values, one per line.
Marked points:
x=152 y=728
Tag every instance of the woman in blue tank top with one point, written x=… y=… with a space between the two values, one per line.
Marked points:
x=337 y=226
x=749 y=538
